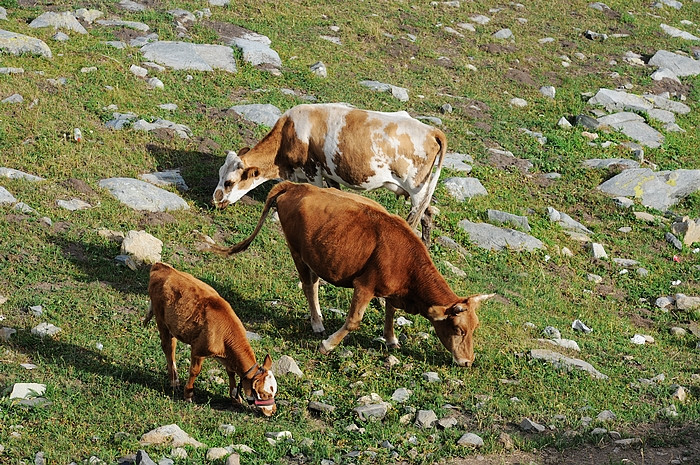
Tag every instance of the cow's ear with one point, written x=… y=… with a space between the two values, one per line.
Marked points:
x=243 y=151
x=267 y=364
x=457 y=309
x=437 y=313
x=250 y=173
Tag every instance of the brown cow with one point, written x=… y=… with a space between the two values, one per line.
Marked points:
x=360 y=149
x=351 y=241
x=193 y=312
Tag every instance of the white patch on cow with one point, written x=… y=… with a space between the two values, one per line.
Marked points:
x=270 y=384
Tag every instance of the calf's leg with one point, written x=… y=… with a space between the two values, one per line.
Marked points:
x=391 y=340
x=360 y=299
x=195 y=368
x=309 y=284
x=168 y=343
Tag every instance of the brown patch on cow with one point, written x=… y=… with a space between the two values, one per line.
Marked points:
x=354 y=163
x=521 y=77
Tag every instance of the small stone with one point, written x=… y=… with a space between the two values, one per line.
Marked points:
x=549 y=91
x=401 y=395
x=628 y=442
x=599 y=431
x=470 y=440
x=673 y=240
x=564 y=123
x=594 y=278
x=680 y=394
x=216 y=453
x=45 y=329
x=505 y=440
x=391 y=361
x=518 y=102
x=597 y=251
x=142 y=458
x=277 y=435
x=425 y=419
x=372 y=411
x=320 y=407
x=678 y=332
x=227 y=430
x=431 y=377
x=286 y=365
x=503 y=34
x=233 y=459
x=27 y=390
x=448 y=422
x=606 y=415
x=638 y=339
x=319 y=69
x=530 y=426
x=552 y=332
x=578 y=325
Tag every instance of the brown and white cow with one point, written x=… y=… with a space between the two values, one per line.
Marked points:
x=351 y=241
x=191 y=311
x=363 y=150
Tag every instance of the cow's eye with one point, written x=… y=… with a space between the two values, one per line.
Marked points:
x=228 y=184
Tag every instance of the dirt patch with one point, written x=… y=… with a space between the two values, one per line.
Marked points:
x=505 y=161
x=62 y=227
x=674 y=88
x=207 y=145
x=156 y=219
x=227 y=31
x=79 y=186
x=402 y=49
x=125 y=34
x=498 y=49
x=521 y=77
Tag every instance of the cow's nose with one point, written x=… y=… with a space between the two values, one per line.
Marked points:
x=218 y=195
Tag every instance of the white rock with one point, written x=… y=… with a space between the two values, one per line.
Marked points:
x=45 y=329
x=470 y=440
x=142 y=247
x=286 y=365
x=518 y=102
x=27 y=390
x=138 y=71
x=169 y=434
x=598 y=251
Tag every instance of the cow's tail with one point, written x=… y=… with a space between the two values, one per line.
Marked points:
x=432 y=180
x=149 y=314
x=276 y=191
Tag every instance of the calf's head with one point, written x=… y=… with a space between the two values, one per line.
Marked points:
x=235 y=179
x=455 y=327
x=260 y=387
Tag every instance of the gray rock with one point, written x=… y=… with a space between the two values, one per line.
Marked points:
x=143 y=40
x=141 y=195
x=142 y=247
x=608 y=163
x=689 y=229
x=219 y=2
x=480 y=19
x=594 y=278
x=541 y=139
x=464 y=188
x=73 y=204
x=11 y=70
x=142 y=458
x=6 y=333
x=606 y=415
x=680 y=65
x=578 y=325
x=530 y=426
x=628 y=442
x=470 y=440
x=227 y=430
x=286 y=365
x=400 y=93
x=27 y=390
x=563 y=343
x=45 y=329
x=684 y=302
x=664 y=73
x=60 y=37
x=587 y=122
x=565 y=221
x=216 y=453
x=616 y=100
x=181 y=130
x=564 y=123
x=138 y=71
x=672 y=3
x=599 y=6
x=233 y=459
x=401 y=395
x=120 y=120
x=155 y=83
x=265 y=114
x=518 y=102
x=65 y=20
x=131 y=5
x=319 y=69
x=659 y=190
x=499 y=217
x=592 y=35
x=320 y=407
x=3 y=14
x=6 y=197
x=425 y=419
x=14 y=98
x=503 y=34
x=372 y=412
x=119 y=23
x=663 y=302
x=448 y=422
x=598 y=251
x=633 y=126
x=434 y=120
x=599 y=431
x=458 y=162
x=673 y=240
x=551 y=332
x=452 y=245
x=626 y=262
x=189 y=56
x=18 y=44
x=257 y=51
x=89 y=16
x=171 y=435
x=431 y=377
x=678 y=33
x=567 y=363
x=166 y=178
x=494 y=238
x=548 y=91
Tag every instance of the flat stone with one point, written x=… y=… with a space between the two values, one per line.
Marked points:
x=88 y=15
x=171 y=435
x=606 y=415
x=678 y=33
x=680 y=65
x=608 y=163
x=264 y=114
x=567 y=363
x=470 y=440
x=257 y=52
x=400 y=93
x=566 y=221
x=286 y=365
x=18 y=44
x=181 y=130
x=142 y=247
x=633 y=126
x=628 y=442
x=425 y=419
x=598 y=251
x=673 y=240
x=492 y=237
x=688 y=229
x=143 y=196
x=458 y=162
x=130 y=5
x=65 y=20
x=73 y=204
x=563 y=343
x=615 y=100
x=659 y=190
x=431 y=377
x=166 y=178
x=530 y=426
x=142 y=458
x=372 y=412
x=6 y=197
x=189 y=56
x=451 y=244
x=120 y=120
x=14 y=98
x=517 y=221
x=45 y=329
x=548 y=91
x=401 y=395
x=503 y=34
x=464 y=188
x=27 y=390
x=320 y=407
x=119 y=23
x=684 y=302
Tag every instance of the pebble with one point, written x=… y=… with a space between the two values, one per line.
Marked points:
x=470 y=440
x=431 y=377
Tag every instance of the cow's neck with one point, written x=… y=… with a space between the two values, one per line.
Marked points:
x=239 y=355
x=264 y=155
x=429 y=287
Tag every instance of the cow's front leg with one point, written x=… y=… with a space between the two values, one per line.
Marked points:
x=195 y=368
x=232 y=387
x=391 y=340
x=360 y=299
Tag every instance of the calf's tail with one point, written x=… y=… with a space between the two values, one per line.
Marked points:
x=414 y=220
x=276 y=191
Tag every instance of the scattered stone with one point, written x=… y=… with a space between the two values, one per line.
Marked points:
x=658 y=190
x=171 y=435
x=60 y=37
x=628 y=442
x=6 y=197
x=27 y=390
x=610 y=163
x=518 y=102
x=425 y=419
x=587 y=122
x=578 y=325
x=65 y=20
x=431 y=377
x=464 y=188
x=680 y=65
x=599 y=431
x=142 y=458
x=36 y=310
x=401 y=395
x=455 y=270
x=143 y=196
x=684 y=302
x=14 y=98
x=189 y=56
x=166 y=178
x=673 y=240
x=265 y=114
x=503 y=34
x=470 y=440
x=138 y=71
x=372 y=412
x=400 y=93
x=6 y=333
x=494 y=238
x=551 y=332
x=549 y=91
x=564 y=123
x=633 y=126
x=142 y=247
x=565 y=221
x=678 y=332
x=320 y=407
x=286 y=365
x=592 y=35
x=181 y=130
x=18 y=44
x=680 y=394
x=563 y=362
x=89 y=16
x=499 y=217
x=530 y=426
x=594 y=278
x=119 y=23
x=319 y=69
x=73 y=204
x=451 y=244
x=606 y=415
x=45 y=329
x=448 y=422
x=675 y=32
x=564 y=343
x=458 y=162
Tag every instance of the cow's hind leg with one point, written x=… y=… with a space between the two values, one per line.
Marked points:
x=391 y=340
x=168 y=344
x=426 y=223
x=309 y=283
x=195 y=368
x=360 y=299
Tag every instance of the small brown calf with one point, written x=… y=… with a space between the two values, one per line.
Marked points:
x=191 y=311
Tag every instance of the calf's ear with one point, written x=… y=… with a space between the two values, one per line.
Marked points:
x=267 y=364
x=437 y=313
x=243 y=151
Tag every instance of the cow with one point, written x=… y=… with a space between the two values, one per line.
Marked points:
x=191 y=311
x=353 y=242
x=360 y=149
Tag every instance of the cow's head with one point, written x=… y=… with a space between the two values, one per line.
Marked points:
x=260 y=390
x=455 y=327
x=235 y=179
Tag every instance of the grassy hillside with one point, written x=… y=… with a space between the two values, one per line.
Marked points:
x=69 y=269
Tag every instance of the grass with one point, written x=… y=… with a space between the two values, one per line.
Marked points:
x=69 y=269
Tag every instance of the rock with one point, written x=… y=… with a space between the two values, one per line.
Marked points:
x=6 y=333
x=73 y=204
x=608 y=163
x=18 y=44
x=597 y=251
x=563 y=362
x=256 y=50
x=503 y=34
x=171 y=435
x=45 y=329
x=265 y=114
x=599 y=431
x=27 y=390
x=319 y=69
x=142 y=458
x=233 y=459
x=684 y=302
x=606 y=415
x=679 y=65
x=216 y=453
x=60 y=37
x=530 y=426
x=431 y=377
x=673 y=240
x=565 y=221
x=678 y=332
x=592 y=35
x=464 y=188
x=320 y=407
x=227 y=430
x=89 y=16
x=578 y=325
x=372 y=412
x=458 y=162
x=594 y=278
x=470 y=440
x=564 y=343
x=675 y=32
x=616 y=100
x=633 y=126
x=11 y=70
x=286 y=365
x=518 y=102
x=6 y=197
x=658 y=190
x=689 y=229
x=448 y=422
x=120 y=120
x=499 y=217
x=3 y=17
x=507 y=442
x=401 y=395
x=628 y=442
x=142 y=247
x=166 y=178
x=664 y=73
x=451 y=244
x=65 y=20
x=672 y=3
x=130 y=5
x=137 y=26
x=680 y=394
x=143 y=196
x=623 y=202
x=14 y=98
x=400 y=93
x=189 y=56
x=493 y=238
x=138 y=71
x=425 y=419
x=455 y=270
x=181 y=130
x=564 y=123
x=551 y=332
x=549 y=91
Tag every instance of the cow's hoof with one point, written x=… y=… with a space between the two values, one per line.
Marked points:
x=319 y=329
x=393 y=345
x=323 y=348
